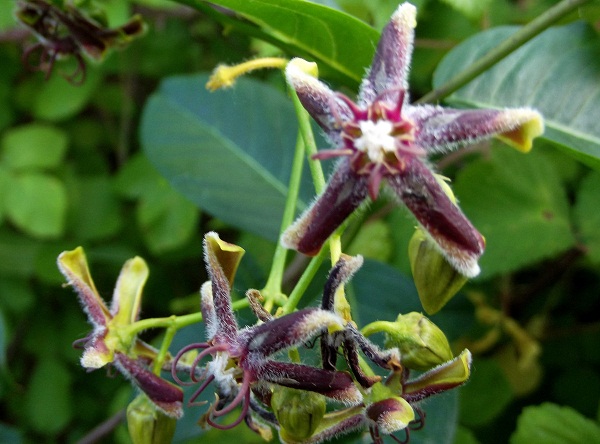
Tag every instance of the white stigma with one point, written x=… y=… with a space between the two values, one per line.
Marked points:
x=376 y=139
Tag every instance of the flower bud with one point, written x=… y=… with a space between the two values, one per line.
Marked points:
x=436 y=280
x=147 y=424
x=421 y=343
x=299 y=412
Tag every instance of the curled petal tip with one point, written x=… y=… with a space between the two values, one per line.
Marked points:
x=528 y=124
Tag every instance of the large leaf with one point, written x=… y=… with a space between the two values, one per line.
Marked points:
x=335 y=40
x=518 y=203
x=557 y=73
x=229 y=152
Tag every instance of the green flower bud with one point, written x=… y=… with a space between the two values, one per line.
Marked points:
x=421 y=343
x=147 y=424
x=436 y=280
x=299 y=412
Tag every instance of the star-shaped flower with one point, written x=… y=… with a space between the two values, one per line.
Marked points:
x=383 y=138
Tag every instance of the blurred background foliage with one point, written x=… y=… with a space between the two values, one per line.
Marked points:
x=72 y=172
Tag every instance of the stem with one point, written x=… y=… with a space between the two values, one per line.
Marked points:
x=164 y=350
x=272 y=288
x=304 y=282
x=523 y=35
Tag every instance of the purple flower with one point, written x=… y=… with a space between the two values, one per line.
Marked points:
x=382 y=138
x=241 y=365
x=110 y=342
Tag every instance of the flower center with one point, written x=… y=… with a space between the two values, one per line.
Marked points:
x=376 y=139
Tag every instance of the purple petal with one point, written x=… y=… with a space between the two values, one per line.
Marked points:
x=345 y=191
x=320 y=101
x=442 y=129
x=389 y=70
x=333 y=384
x=287 y=331
x=458 y=240
x=168 y=397
x=391 y=414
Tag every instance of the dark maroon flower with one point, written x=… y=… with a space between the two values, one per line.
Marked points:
x=382 y=138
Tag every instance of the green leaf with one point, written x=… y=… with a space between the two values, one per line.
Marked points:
x=552 y=73
x=17 y=254
x=486 y=395
x=518 y=203
x=471 y=8
x=36 y=204
x=48 y=397
x=333 y=39
x=5 y=178
x=35 y=145
x=229 y=152
x=3 y=341
x=95 y=211
x=552 y=424
x=587 y=216
x=166 y=218
x=58 y=100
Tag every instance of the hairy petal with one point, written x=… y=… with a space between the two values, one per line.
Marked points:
x=458 y=240
x=340 y=274
x=73 y=265
x=289 y=330
x=389 y=70
x=345 y=191
x=222 y=259
x=444 y=377
x=443 y=129
x=168 y=397
x=319 y=100
x=391 y=414
x=333 y=384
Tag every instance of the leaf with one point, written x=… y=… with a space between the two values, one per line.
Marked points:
x=518 y=203
x=557 y=73
x=486 y=395
x=587 y=216
x=553 y=424
x=229 y=152
x=36 y=204
x=3 y=341
x=333 y=39
x=35 y=145
x=166 y=218
x=48 y=397
x=473 y=9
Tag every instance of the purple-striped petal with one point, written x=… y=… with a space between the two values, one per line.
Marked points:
x=333 y=384
x=391 y=414
x=168 y=397
x=389 y=70
x=458 y=240
x=323 y=104
x=443 y=129
x=345 y=191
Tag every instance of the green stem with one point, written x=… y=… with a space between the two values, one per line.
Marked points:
x=272 y=290
x=164 y=350
x=526 y=33
x=303 y=282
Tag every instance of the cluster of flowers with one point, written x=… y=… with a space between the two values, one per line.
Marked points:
x=381 y=139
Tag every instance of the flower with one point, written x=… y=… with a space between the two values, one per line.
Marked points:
x=383 y=138
x=110 y=342
x=241 y=365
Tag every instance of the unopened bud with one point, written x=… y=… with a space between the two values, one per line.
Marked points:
x=421 y=343
x=436 y=280
x=299 y=412
x=147 y=424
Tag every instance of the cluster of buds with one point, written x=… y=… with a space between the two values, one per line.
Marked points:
x=68 y=33
x=291 y=397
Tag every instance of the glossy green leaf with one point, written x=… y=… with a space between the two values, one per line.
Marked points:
x=229 y=152
x=48 y=398
x=553 y=424
x=587 y=216
x=518 y=203
x=37 y=204
x=486 y=395
x=333 y=39
x=34 y=145
x=556 y=73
